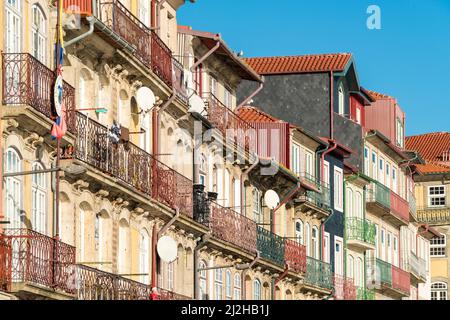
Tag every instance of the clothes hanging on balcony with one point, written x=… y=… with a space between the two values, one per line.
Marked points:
x=114 y=133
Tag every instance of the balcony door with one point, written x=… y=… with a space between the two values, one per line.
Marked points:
x=39 y=34
x=13 y=26
x=144 y=12
x=338 y=256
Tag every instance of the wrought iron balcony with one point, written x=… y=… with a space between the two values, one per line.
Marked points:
x=26 y=81
x=364 y=294
x=28 y=257
x=378 y=198
x=360 y=233
x=399 y=210
x=233 y=127
x=132 y=165
x=389 y=279
x=401 y=280
x=318 y=274
x=179 y=81
x=295 y=256
x=434 y=215
x=417 y=267
x=314 y=202
x=170 y=295
x=270 y=246
x=344 y=288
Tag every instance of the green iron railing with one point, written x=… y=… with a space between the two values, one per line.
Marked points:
x=318 y=273
x=364 y=294
x=270 y=246
x=380 y=194
x=321 y=200
x=360 y=230
x=309 y=178
x=383 y=272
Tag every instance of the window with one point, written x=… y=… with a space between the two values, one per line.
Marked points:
x=228 y=99
x=296 y=159
x=439 y=291
x=359 y=273
x=256 y=290
x=203 y=170
x=437 y=246
x=257 y=207
x=213 y=86
x=394 y=180
x=309 y=164
x=144 y=12
x=388 y=175
x=299 y=231
x=400 y=133
x=13 y=30
x=170 y=275
x=39 y=34
x=341 y=100
x=366 y=161
x=326 y=247
x=228 y=285
x=349 y=203
x=338 y=186
x=144 y=256
x=308 y=239
x=227 y=188
x=218 y=284
x=350 y=267
x=237 y=287
x=315 y=242
x=436 y=196
x=358 y=205
x=13 y=188
x=381 y=168
x=374 y=165
x=237 y=195
x=39 y=200
x=358 y=115
x=202 y=284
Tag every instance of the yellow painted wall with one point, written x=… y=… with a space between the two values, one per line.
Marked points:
x=439 y=267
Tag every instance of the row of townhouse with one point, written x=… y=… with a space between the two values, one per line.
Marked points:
x=196 y=167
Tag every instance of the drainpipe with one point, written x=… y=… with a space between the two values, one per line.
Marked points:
x=285 y=200
x=245 y=174
x=155 y=237
x=91 y=21
x=251 y=96
x=244 y=291
x=204 y=240
x=210 y=52
x=277 y=280
x=329 y=150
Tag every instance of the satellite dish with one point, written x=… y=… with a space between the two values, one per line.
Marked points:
x=145 y=98
x=271 y=199
x=196 y=104
x=167 y=249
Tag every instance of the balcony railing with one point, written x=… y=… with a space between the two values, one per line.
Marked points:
x=320 y=200
x=399 y=207
x=401 y=280
x=364 y=294
x=379 y=194
x=169 y=295
x=295 y=256
x=26 y=81
x=344 y=288
x=433 y=215
x=230 y=226
x=382 y=272
x=360 y=230
x=94 y=284
x=132 y=165
x=231 y=126
x=179 y=81
x=77 y=6
x=318 y=273
x=27 y=256
x=417 y=266
x=270 y=246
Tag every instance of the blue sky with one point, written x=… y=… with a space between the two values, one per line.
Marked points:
x=409 y=58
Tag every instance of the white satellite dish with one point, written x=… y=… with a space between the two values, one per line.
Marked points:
x=145 y=98
x=271 y=199
x=196 y=104
x=167 y=249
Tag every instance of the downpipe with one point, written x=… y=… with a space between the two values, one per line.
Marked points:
x=91 y=21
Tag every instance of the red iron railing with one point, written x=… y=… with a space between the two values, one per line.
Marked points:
x=344 y=288
x=169 y=295
x=295 y=256
x=230 y=124
x=94 y=284
x=230 y=226
x=399 y=207
x=78 y=6
x=401 y=280
x=179 y=84
x=26 y=81
x=132 y=165
x=29 y=256
x=161 y=59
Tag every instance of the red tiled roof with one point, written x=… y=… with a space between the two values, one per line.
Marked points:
x=377 y=96
x=430 y=146
x=300 y=64
x=432 y=168
x=253 y=114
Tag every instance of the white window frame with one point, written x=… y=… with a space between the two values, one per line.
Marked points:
x=13 y=27
x=442 y=196
x=145 y=12
x=218 y=284
x=439 y=291
x=381 y=176
x=39 y=34
x=438 y=245
x=256 y=289
x=338 y=189
x=13 y=188
x=326 y=247
x=296 y=158
x=315 y=242
x=374 y=159
x=237 y=287
x=366 y=161
x=39 y=199
x=299 y=234
x=228 y=285
x=341 y=100
x=144 y=249
x=308 y=239
x=203 y=288
x=257 y=205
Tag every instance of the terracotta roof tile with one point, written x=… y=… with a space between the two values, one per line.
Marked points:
x=432 y=168
x=431 y=146
x=378 y=96
x=300 y=64
x=253 y=114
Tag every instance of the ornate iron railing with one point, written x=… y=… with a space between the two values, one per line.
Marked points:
x=26 y=81
x=417 y=265
x=169 y=295
x=179 y=81
x=232 y=126
x=427 y=214
x=77 y=6
x=161 y=59
x=230 y=226
x=94 y=284
x=295 y=256
x=30 y=257
x=132 y=165
x=270 y=246
x=399 y=207
x=318 y=273
x=364 y=294
x=360 y=229
x=401 y=280
x=379 y=193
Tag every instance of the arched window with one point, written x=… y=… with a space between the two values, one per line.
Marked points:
x=359 y=273
x=308 y=239
x=349 y=203
x=256 y=290
x=202 y=284
x=13 y=188
x=439 y=291
x=144 y=12
x=124 y=109
x=39 y=200
x=13 y=32
x=341 y=100
x=299 y=231
x=350 y=267
x=123 y=246
x=237 y=287
x=39 y=34
x=218 y=284
x=358 y=205
x=315 y=241
x=257 y=205
x=203 y=170
x=237 y=195
x=144 y=255
x=228 y=285
x=170 y=275
x=227 y=188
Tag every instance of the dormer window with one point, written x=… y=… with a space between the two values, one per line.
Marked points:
x=341 y=100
